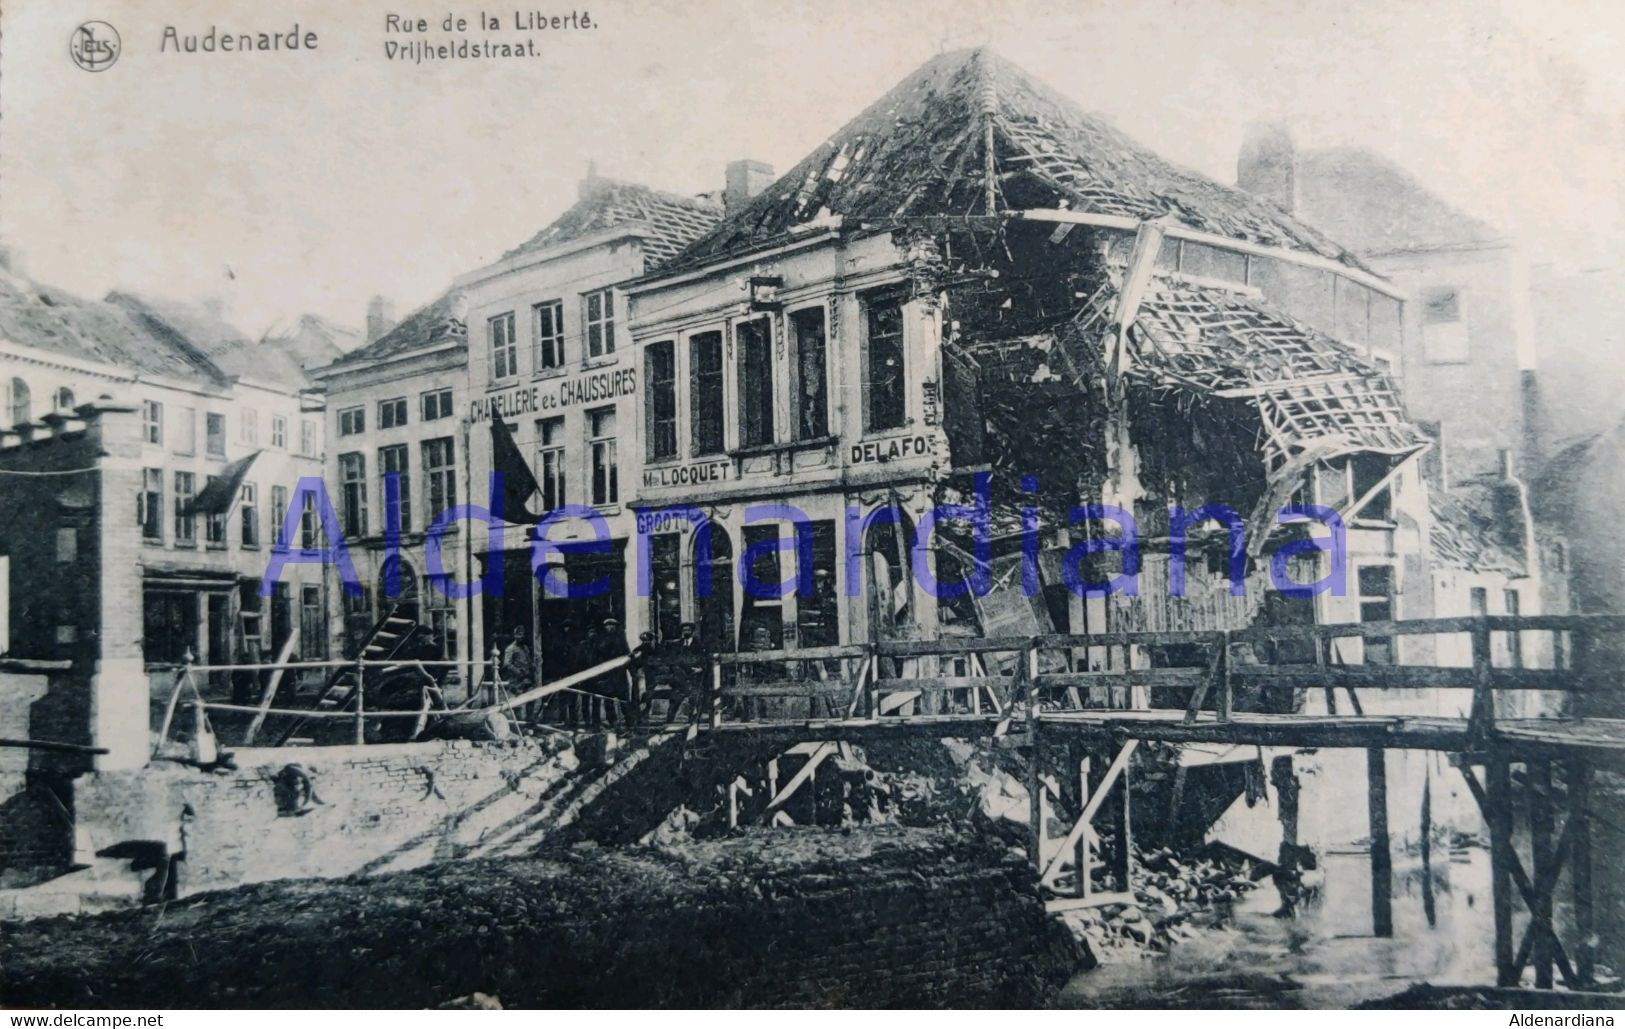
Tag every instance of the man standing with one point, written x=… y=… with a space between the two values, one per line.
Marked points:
x=516 y=664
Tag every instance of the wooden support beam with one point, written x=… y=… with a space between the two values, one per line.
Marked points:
x=1075 y=835
x=804 y=773
x=1540 y=842
x=269 y=693
x=1382 y=860
x=1579 y=831
x=1498 y=815
x=1529 y=891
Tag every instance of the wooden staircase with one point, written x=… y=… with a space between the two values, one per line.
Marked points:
x=384 y=641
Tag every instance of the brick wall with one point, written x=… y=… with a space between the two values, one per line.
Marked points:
x=774 y=918
x=375 y=808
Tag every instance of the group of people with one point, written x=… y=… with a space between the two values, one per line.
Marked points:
x=603 y=699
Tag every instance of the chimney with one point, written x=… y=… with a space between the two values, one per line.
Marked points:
x=745 y=179
x=590 y=183
x=380 y=317
x=1267 y=165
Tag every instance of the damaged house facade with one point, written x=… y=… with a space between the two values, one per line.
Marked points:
x=974 y=277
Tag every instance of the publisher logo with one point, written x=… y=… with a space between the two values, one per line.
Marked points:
x=94 y=46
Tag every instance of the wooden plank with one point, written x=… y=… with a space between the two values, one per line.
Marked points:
x=1094 y=900
x=269 y=693
x=788 y=688
x=1124 y=677
x=952 y=645
x=1351 y=676
x=1382 y=859
x=751 y=657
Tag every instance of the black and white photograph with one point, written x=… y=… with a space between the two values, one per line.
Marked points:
x=809 y=505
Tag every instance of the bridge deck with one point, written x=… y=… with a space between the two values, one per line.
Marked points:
x=1599 y=739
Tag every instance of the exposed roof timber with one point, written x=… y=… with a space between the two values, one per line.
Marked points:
x=1361 y=501
x=1177 y=231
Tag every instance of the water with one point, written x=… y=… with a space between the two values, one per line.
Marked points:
x=1324 y=958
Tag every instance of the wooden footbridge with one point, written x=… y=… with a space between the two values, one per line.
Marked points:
x=1054 y=697
x=1524 y=738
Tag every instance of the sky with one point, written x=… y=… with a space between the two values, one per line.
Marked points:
x=287 y=183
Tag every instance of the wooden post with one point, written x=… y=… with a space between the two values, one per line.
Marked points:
x=1585 y=952
x=1225 y=700
x=1125 y=834
x=1082 y=858
x=1499 y=795
x=1382 y=868
x=716 y=692
x=1540 y=842
x=1035 y=834
x=1482 y=715
x=360 y=702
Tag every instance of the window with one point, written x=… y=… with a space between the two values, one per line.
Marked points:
x=665 y=587
x=169 y=626
x=550 y=461
x=152 y=415
x=249 y=427
x=818 y=622
x=440 y=472
x=185 y=521
x=1376 y=585
x=809 y=382
x=601 y=441
x=214 y=522
x=279 y=514
x=248 y=501
x=21 y=408
x=279 y=432
x=1365 y=471
x=755 y=383
x=761 y=619
x=392 y=413
x=67 y=545
x=504 y=349
x=183 y=435
x=883 y=365
x=660 y=402
x=547 y=322
x=64 y=399
x=1444 y=330
x=149 y=506
x=353 y=490
x=393 y=461
x=600 y=320
x=705 y=393
x=442 y=616
x=1514 y=638
x=352 y=421
x=307 y=437
x=214 y=434
x=436 y=404
x=307 y=522
x=312 y=624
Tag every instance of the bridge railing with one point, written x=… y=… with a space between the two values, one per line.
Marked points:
x=1199 y=671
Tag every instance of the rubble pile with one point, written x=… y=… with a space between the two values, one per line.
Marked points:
x=1176 y=899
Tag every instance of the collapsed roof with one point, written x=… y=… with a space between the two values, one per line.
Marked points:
x=1315 y=396
x=669 y=221
x=436 y=323
x=34 y=315
x=922 y=150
